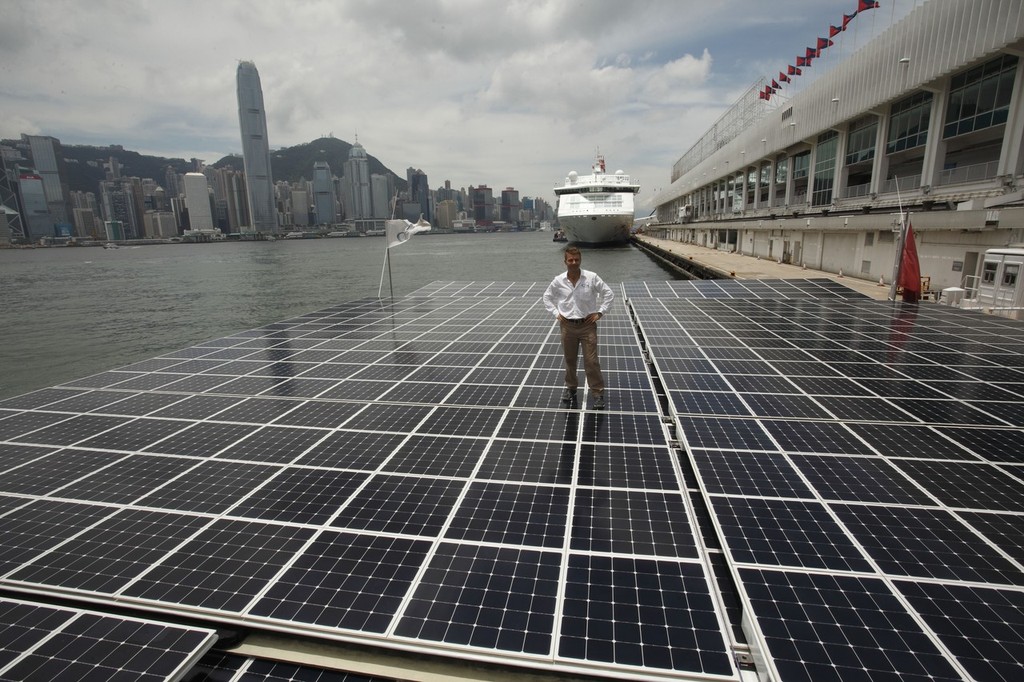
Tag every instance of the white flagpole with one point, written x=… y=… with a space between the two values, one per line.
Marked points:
x=899 y=246
x=387 y=255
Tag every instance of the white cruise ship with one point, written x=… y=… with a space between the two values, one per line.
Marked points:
x=596 y=208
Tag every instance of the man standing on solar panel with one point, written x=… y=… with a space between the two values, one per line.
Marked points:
x=578 y=299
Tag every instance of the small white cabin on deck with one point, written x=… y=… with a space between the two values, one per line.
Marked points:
x=999 y=286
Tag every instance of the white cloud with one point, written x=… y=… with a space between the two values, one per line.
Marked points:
x=513 y=92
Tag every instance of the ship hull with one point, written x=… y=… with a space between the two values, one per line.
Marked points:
x=597 y=229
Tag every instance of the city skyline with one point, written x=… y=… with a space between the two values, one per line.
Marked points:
x=483 y=93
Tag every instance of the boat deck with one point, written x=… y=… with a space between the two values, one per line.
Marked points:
x=789 y=477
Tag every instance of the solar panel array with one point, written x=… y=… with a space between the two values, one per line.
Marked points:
x=833 y=481
x=45 y=642
x=393 y=474
x=812 y=287
x=862 y=464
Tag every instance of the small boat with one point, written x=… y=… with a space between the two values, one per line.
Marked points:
x=559 y=236
x=111 y=245
x=598 y=208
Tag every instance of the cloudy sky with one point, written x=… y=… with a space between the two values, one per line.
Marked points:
x=497 y=92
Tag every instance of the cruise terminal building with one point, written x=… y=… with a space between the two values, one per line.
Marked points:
x=928 y=118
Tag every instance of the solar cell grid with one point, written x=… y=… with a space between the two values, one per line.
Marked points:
x=462 y=421
x=124 y=480
x=618 y=611
x=898 y=440
x=211 y=487
x=481 y=395
x=981 y=626
x=966 y=485
x=528 y=462
x=43 y=475
x=344 y=449
x=98 y=560
x=437 y=456
x=85 y=401
x=401 y=504
x=82 y=645
x=840 y=627
x=926 y=543
x=63 y=430
x=512 y=514
x=279 y=444
x=202 y=439
x=728 y=434
x=492 y=598
x=632 y=522
x=793 y=533
x=12 y=456
x=243 y=554
x=300 y=495
x=31 y=529
x=859 y=479
x=749 y=474
x=343 y=580
x=39 y=398
x=710 y=403
x=134 y=435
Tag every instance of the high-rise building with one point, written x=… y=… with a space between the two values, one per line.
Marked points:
x=118 y=203
x=380 y=195
x=482 y=201
x=197 y=199
x=324 y=201
x=160 y=224
x=510 y=205
x=252 y=120
x=34 y=211
x=358 y=204
x=12 y=225
x=419 y=191
x=48 y=161
x=300 y=206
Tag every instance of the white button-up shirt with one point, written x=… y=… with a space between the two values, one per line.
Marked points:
x=590 y=295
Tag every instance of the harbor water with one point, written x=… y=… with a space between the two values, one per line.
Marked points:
x=71 y=312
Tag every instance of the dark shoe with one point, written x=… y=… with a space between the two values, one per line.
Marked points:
x=568 y=395
x=599 y=401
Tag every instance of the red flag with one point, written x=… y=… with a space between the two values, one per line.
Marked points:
x=775 y=84
x=847 y=18
x=866 y=5
x=803 y=61
x=833 y=31
x=824 y=43
x=811 y=53
x=784 y=78
x=910 y=268
x=793 y=71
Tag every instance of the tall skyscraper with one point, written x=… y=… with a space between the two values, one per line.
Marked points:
x=252 y=120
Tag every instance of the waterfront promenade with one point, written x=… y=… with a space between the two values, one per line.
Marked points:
x=737 y=266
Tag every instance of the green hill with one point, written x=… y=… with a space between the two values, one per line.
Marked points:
x=293 y=163
x=85 y=169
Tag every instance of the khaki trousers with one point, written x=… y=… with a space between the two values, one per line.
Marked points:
x=573 y=336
